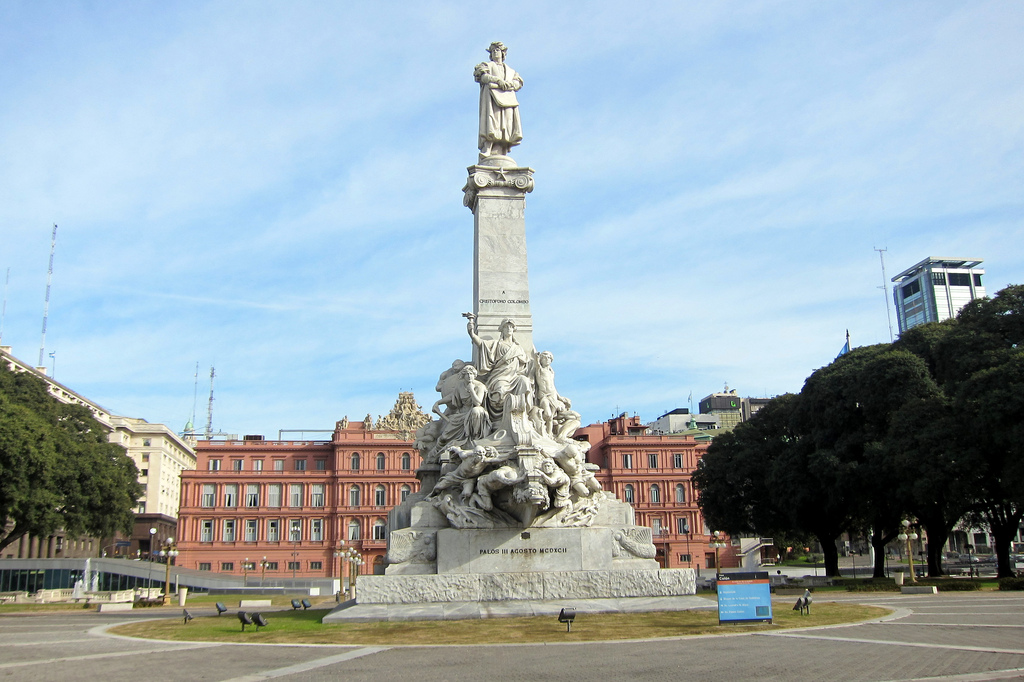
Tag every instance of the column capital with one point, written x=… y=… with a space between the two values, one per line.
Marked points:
x=498 y=182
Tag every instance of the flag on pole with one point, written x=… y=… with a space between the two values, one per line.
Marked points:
x=846 y=346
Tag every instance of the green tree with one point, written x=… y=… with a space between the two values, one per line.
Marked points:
x=57 y=469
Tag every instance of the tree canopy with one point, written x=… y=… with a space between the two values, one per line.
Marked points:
x=57 y=469
x=930 y=427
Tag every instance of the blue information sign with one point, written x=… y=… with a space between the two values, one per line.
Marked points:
x=744 y=598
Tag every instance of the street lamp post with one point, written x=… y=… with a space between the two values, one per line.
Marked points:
x=349 y=555
x=263 y=571
x=152 y=545
x=295 y=552
x=718 y=544
x=245 y=572
x=168 y=552
x=907 y=535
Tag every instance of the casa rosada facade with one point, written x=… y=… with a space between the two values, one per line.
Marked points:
x=279 y=509
x=653 y=474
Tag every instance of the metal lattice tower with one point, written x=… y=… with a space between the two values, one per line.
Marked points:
x=46 y=304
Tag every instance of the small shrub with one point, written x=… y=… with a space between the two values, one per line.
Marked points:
x=868 y=585
x=1011 y=584
x=950 y=584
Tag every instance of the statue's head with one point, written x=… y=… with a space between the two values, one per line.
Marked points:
x=545 y=358
x=499 y=46
x=507 y=327
x=469 y=372
x=458 y=365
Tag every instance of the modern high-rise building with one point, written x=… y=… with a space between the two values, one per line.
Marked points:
x=936 y=289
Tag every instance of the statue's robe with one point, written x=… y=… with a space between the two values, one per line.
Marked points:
x=499 y=109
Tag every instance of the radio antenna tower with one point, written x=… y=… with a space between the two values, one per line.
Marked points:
x=209 y=409
x=46 y=305
x=885 y=290
x=3 y=315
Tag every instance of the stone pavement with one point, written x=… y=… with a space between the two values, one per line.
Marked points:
x=960 y=636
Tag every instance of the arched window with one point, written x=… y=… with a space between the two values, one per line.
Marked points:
x=655 y=494
x=380 y=461
x=406 y=461
x=628 y=493
x=353 y=496
x=380 y=530
x=379 y=494
x=355 y=461
x=353 y=530
x=405 y=492
x=680 y=493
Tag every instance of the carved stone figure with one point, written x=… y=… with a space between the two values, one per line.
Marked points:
x=500 y=126
x=472 y=464
x=503 y=363
x=558 y=481
x=489 y=483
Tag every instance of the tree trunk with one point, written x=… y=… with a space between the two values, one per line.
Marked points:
x=938 y=532
x=878 y=543
x=1004 y=527
x=830 y=554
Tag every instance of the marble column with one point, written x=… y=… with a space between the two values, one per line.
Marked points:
x=496 y=194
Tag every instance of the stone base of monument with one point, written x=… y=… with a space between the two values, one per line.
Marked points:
x=534 y=586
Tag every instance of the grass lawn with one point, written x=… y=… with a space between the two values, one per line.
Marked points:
x=304 y=627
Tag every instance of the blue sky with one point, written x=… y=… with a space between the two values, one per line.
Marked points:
x=274 y=189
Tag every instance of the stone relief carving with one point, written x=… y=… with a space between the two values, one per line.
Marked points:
x=500 y=125
x=500 y=454
x=404 y=418
x=635 y=541
x=412 y=546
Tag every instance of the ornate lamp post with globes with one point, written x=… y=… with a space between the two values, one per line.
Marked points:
x=718 y=544
x=907 y=535
x=348 y=555
x=168 y=552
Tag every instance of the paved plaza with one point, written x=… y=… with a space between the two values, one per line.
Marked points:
x=947 y=636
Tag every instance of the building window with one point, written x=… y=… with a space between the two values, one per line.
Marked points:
x=278 y=465
x=680 y=494
x=257 y=465
x=316 y=565
x=353 y=496
x=316 y=498
x=226 y=566
x=271 y=565
x=380 y=461
x=295 y=495
x=685 y=558
x=709 y=559
x=274 y=530
x=353 y=530
x=144 y=472
x=205 y=566
x=274 y=495
x=677 y=460
x=652 y=460
x=208 y=495
x=316 y=530
x=655 y=494
x=293 y=566
x=214 y=465
x=977 y=280
x=405 y=492
x=321 y=464
x=656 y=527
x=939 y=278
x=379 y=494
x=627 y=461
x=406 y=461
x=682 y=525
x=380 y=530
x=229 y=530
x=205 y=530
x=355 y=461
x=628 y=494
x=250 y=530
x=145 y=456
x=231 y=495
x=236 y=465
x=295 y=530
x=147 y=442
x=908 y=291
x=252 y=495
x=959 y=279
x=300 y=465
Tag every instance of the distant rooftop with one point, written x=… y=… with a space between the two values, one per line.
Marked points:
x=944 y=262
